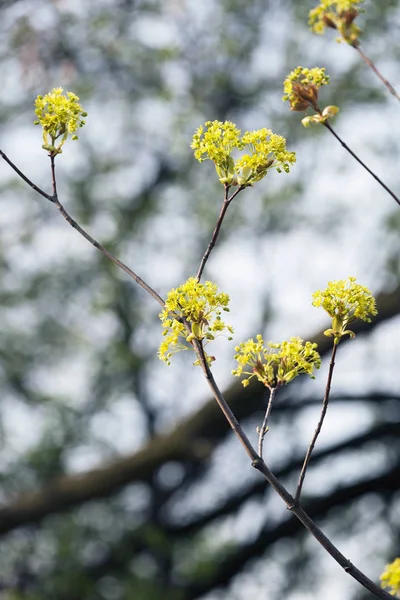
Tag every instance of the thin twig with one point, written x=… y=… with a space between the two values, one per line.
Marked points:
x=354 y=155
x=222 y=403
x=54 y=199
x=259 y=464
x=25 y=178
x=371 y=65
x=97 y=245
x=319 y=426
x=214 y=237
x=108 y=254
x=263 y=429
x=53 y=175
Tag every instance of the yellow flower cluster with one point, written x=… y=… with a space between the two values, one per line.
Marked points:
x=344 y=301
x=216 y=140
x=390 y=578
x=266 y=150
x=301 y=88
x=194 y=306
x=337 y=14
x=59 y=115
x=276 y=364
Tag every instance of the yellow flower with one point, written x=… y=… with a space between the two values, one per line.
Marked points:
x=390 y=578
x=200 y=306
x=216 y=142
x=301 y=87
x=337 y=14
x=344 y=301
x=266 y=150
x=276 y=364
x=59 y=115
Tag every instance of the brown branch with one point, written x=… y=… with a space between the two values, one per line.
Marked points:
x=71 y=490
x=54 y=199
x=193 y=439
x=385 y=433
x=230 y=565
x=224 y=208
x=233 y=563
x=25 y=178
x=291 y=504
x=354 y=155
x=371 y=65
x=257 y=462
x=319 y=425
x=222 y=403
x=263 y=429
x=318 y=534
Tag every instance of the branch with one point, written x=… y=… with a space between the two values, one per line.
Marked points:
x=260 y=465
x=25 y=178
x=229 y=567
x=385 y=433
x=264 y=428
x=194 y=439
x=224 y=208
x=316 y=532
x=319 y=425
x=371 y=65
x=222 y=403
x=54 y=199
x=354 y=155
x=257 y=462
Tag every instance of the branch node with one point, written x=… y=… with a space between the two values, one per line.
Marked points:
x=349 y=567
x=257 y=463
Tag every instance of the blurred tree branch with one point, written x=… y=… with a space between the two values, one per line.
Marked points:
x=228 y=567
x=225 y=570
x=192 y=440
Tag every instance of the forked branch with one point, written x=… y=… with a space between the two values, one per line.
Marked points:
x=256 y=461
x=259 y=464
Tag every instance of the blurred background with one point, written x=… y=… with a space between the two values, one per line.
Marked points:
x=119 y=477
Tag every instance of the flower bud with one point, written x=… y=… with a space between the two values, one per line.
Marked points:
x=306 y=92
x=329 y=22
x=348 y=16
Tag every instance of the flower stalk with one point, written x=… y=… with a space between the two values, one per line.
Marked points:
x=301 y=90
x=340 y=15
